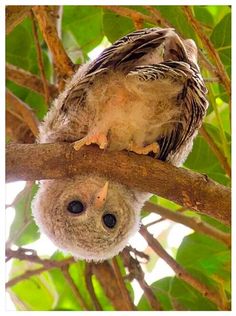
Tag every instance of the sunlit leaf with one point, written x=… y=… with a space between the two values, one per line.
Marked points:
x=36 y=293
x=23 y=228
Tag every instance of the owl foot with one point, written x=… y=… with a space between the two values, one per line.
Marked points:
x=99 y=139
x=154 y=147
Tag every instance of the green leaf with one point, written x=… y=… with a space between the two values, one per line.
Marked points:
x=210 y=257
x=202 y=159
x=21 y=51
x=66 y=299
x=177 y=18
x=37 y=293
x=23 y=228
x=221 y=38
x=116 y=26
x=203 y=15
x=84 y=23
x=175 y=294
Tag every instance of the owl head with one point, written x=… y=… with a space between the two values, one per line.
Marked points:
x=88 y=217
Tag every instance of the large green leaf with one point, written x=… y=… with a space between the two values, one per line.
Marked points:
x=116 y=26
x=84 y=23
x=21 y=51
x=23 y=228
x=206 y=255
x=175 y=294
x=66 y=299
x=203 y=160
x=37 y=293
x=221 y=38
x=176 y=17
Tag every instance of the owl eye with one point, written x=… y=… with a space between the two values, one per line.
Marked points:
x=75 y=207
x=109 y=220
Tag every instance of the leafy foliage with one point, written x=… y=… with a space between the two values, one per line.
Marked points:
x=84 y=28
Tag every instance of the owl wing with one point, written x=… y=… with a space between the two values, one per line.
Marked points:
x=191 y=100
x=123 y=55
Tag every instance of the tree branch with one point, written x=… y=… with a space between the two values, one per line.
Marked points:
x=194 y=223
x=47 y=265
x=210 y=48
x=105 y=275
x=29 y=80
x=40 y=59
x=74 y=288
x=58 y=160
x=26 y=112
x=90 y=288
x=181 y=272
x=121 y=284
x=135 y=271
x=47 y=26
x=15 y=15
x=136 y=16
x=220 y=156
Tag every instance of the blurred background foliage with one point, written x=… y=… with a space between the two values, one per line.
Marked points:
x=86 y=30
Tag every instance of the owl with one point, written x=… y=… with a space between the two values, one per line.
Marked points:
x=143 y=94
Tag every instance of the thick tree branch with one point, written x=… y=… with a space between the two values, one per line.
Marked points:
x=29 y=80
x=187 y=188
x=48 y=28
x=105 y=275
x=15 y=15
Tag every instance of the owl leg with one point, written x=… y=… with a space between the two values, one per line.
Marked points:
x=154 y=147
x=99 y=139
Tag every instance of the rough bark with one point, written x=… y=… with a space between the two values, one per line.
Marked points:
x=187 y=188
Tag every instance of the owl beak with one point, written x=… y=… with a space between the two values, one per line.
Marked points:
x=101 y=196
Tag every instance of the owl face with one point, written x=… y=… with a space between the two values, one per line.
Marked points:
x=87 y=216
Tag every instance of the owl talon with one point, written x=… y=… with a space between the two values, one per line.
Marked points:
x=154 y=147
x=99 y=139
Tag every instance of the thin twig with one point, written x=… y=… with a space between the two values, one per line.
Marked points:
x=121 y=283
x=29 y=80
x=210 y=80
x=136 y=272
x=25 y=111
x=90 y=288
x=40 y=59
x=74 y=288
x=194 y=223
x=65 y=66
x=48 y=265
x=157 y=17
x=209 y=47
x=222 y=159
x=181 y=273
x=129 y=13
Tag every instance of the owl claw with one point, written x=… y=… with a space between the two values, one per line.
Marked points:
x=154 y=147
x=99 y=139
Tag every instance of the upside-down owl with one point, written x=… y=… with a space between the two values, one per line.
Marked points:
x=142 y=94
